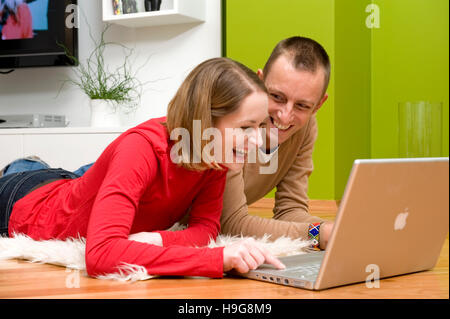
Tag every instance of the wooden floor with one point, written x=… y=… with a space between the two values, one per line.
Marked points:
x=20 y=279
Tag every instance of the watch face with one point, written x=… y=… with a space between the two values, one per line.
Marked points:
x=129 y=6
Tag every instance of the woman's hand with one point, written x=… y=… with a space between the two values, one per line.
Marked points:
x=148 y=238
x=247 y=255
x=325 y=233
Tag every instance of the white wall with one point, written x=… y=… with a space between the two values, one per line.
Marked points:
x=175 y=51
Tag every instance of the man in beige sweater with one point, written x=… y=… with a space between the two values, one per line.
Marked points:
x=297 y=76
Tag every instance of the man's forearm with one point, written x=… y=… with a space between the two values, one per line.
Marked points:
x=249 y=225
x=296 y=214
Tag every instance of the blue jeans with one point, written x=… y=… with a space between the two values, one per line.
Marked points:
x=16 y=185
x=26 y=164
x=23 y=175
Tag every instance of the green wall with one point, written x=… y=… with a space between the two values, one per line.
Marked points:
x=409 y=63
x=405 y=59
x=352 y=89
x=254 y=27
x=372 y=70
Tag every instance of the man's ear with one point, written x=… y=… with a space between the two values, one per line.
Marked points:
x=325 y=97
x=260 y=74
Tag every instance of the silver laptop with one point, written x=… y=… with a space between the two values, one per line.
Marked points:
x=393 y=219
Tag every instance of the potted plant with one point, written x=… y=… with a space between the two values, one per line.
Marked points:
x=111 y=91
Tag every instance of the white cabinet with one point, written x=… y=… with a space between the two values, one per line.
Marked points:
x=172 y=12
x=10 y=148
x=67 y=148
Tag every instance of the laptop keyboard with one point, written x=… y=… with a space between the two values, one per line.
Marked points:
x=304 y=270
x=303 y=267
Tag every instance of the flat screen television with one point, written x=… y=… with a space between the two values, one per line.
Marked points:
x=38 y=33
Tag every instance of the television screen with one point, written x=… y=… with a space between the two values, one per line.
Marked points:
x=37 y=33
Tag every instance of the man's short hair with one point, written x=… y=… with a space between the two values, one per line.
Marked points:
x=304 y=53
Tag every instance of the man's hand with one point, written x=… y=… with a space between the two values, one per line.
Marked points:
x=325 y=233
x=148 y=238
x=247 y=255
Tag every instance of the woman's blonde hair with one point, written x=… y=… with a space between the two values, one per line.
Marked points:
x=212 y=90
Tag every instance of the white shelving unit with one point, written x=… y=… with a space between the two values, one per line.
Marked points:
x=65 y=147
x=64 y=130
x=172 y=12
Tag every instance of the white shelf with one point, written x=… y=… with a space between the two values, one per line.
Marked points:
x=172 y=12
x=63 y=130
x=65 y=147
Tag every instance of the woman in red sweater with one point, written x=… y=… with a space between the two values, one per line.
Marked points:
x=141 y=184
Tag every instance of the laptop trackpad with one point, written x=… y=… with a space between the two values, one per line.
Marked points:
x=304 y=266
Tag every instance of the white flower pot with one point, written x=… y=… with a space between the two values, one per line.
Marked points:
x=104 y=114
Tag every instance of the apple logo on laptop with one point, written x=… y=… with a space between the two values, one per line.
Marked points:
x=400 y=220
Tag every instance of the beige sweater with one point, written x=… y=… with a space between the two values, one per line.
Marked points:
x=291 y=217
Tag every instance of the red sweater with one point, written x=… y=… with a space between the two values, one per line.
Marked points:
x=133 y=187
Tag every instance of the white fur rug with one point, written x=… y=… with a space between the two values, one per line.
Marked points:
x=70 y=253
